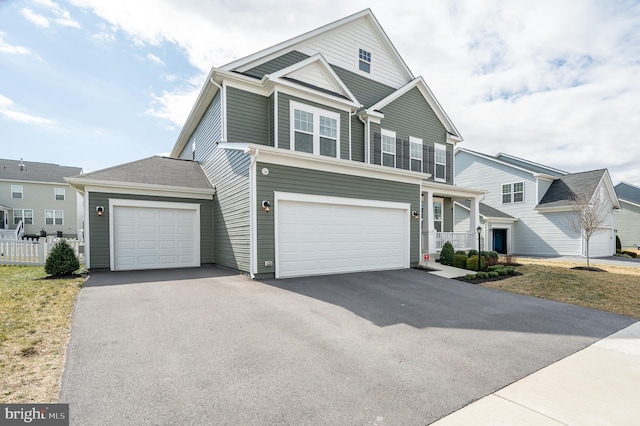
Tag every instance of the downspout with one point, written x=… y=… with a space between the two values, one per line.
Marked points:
x=253 y=218
x=350 y=115
x=366 y=139
x=223 y=109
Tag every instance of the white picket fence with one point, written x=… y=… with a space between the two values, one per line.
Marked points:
x=34 y=251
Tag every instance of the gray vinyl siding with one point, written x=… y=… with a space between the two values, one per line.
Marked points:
x=303 y=181
x=535 y=233
x=447 y=215
x=247 y=117
x=357 y=139
x=40 y=197
x=271 y=119
x=411 y=115
x=284 y=123
x=276 y=64
x=207 y=133
x=628 y=225
x=368 y=92
x=99 y=226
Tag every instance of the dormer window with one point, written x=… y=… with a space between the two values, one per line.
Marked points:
x=364 y=60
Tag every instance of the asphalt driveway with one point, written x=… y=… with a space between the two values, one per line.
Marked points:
x=205 y=346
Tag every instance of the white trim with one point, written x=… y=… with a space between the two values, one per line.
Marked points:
x=11 y=192
x=504 y=163
x=54 y=217
x=512 y=192
x=417 y=141
x=323 y=199
x=436 y=147
x=117 y=187
x=368 y=50
x=64 y=194
x=117 y=202
x=436 y=200
x=542 y=166
x=389 y=134
x=628 y=202
x=223 y=110
x=275 y=118
x=253 y=219
x=87 y=236
x=317 y=113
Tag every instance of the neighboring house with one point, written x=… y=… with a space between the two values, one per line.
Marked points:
x=35 y=196
x=628 y=219
x=495 y=224
x=539 y=197
x=322 y=152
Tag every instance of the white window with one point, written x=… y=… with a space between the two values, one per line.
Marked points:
x=437 y=213
x=388 y=148
x=24 y=215
x=16 y=191
x=53 y=217
x=314 y=130
x=440 y=163
x=416 y=153
x=58 y=194
x=513 y=192
x=364 y=61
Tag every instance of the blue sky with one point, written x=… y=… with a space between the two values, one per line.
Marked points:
x=94 y=83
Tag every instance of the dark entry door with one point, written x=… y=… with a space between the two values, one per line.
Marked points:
x=500 y=240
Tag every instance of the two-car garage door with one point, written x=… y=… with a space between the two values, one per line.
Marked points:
x=326 y=235
x=153 y=235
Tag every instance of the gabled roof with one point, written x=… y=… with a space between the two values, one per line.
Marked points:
x=35 y=172
x=628 y=192
x=153 y=171
x=536 y=170
x=279 y=49
x=562 y=190
x=429 y=97
x=486 y=211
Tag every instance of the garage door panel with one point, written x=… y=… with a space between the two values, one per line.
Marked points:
x=322 y=238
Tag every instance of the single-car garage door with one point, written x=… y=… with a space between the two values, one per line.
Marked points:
x=602 y=243
x=318 y=235
x=152 y=235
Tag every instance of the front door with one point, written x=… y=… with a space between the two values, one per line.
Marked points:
x=3 y=219
x=500 y=240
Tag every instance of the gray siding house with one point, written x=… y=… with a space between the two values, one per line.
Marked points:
x=628 y=219
x=322 y=154
x=532 y=205
x=35 y=197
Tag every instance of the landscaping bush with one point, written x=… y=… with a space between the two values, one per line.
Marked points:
x=472 y=263
x=481 y=275
x=502 y=272
x=493 y=274
x=618 y=245
x=470 y=276
x=511 y=270
x=472 y=253
x=630 y=253
x=510 y=259
x=461 y=252
x=495 y=267
x=492 y=257
x=460 y=261
x=61 y=261
x=446 y=254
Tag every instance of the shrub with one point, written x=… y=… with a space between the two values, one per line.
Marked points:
x=461 y=252
x=495 y=267
x=618 y=245
x=502 y=272
x=472 y=263
x=472 y=253
x=492 y=257
x=481 y=275
x=470 y=276
x=510 y=270
x=493 y=274
x=510 y=259
x=630 y=253
x=446 y=254
x=61 y=261
x=460 y=261
x=623 y=255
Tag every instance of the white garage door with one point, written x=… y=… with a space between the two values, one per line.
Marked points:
x=602 y=243
x=154 y=235
x=327 y=235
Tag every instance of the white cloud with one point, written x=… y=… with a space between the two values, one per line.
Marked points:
x=174 y=107
x=153 y=58
x=8 y=48
x=11 y=111
x=60 y=15
x=35 y=18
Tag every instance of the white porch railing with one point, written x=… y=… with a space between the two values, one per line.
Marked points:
x=34 y=251
x=460 y=240
x=14 y=234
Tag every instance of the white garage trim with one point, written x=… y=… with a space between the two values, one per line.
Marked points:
x=402 y=221
x=114 y=203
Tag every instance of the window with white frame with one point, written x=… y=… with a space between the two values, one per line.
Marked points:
x=24 y=215
x=314 y=130
x=364 y=60
x=440 y=160
x=416 y=153
x=513 y=192
x=58 y=194
x=388 y=148
x=17 y=191
x=437 y=213
x=53 y=217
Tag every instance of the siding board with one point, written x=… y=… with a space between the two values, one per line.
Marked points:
x=247 y=117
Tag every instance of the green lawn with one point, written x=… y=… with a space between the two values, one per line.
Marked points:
x=35 y=317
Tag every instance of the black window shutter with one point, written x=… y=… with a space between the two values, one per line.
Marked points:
x=425 y=159
x=377 y=148
x=399 y=156
x=449 y=163
x=406 y=146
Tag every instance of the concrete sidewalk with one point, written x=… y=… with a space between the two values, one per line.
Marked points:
x=447 y=271
x=597 y=385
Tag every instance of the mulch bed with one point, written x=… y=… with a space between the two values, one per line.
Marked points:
x=591 y=269
x=486 y=280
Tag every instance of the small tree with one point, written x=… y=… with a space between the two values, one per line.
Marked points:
x=587 y=217
x=61 y=261
x=447 y=254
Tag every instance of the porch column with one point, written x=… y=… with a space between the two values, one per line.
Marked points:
x=430 y=229
x=474 y=219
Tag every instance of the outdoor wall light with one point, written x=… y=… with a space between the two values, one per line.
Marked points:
x=266 y=206
x=99 y=210
x=415 y=215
